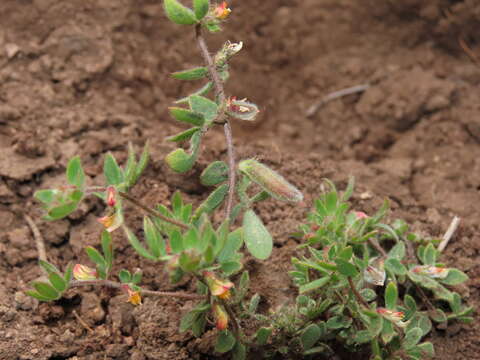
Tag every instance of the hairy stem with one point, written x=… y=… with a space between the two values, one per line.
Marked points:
x=357 y=294
x=152 y=211
x=117 y=285
x=220 y=94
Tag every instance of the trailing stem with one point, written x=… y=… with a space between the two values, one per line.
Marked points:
x=222 y=118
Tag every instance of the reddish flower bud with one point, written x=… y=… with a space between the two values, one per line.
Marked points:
x=83 y=272
x=360 y=215
x=220 y=288
x=222 y=11
x=111 y=196
x=431 y=271
x=221 y=317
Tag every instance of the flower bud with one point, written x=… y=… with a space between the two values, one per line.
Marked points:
x=375 y=272
x=111 y=194
x=241 y=109
x=111 y=222
x=221 y=317
x=431 y=271
x=221 y=12
x=270 y=181
x=83 y=272
x=360 y=215
x=394 y=316
x=219 y=288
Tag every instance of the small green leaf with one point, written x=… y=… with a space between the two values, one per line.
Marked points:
x=153 y=238
x=185 y=135
x=262 y=335
x=225 y=342
x=37 y=296
x=258 y=240
x=137 y=245
x=310 y=336
x=427 y=350
x=46 y=196
x=314 y=285
x=176 y=242
x=49 y=268
x=95 y=256
x=191 y=239
x=125 y=276
x=75 y=174
x=200 y=7
x=179 y=13
x=204 y=90
x=46 y=290
x=398 y=251
x=187 y=116
x=179 y=160
x=231 y=267
x=430 y=255
x=346 y=268
x=239 y=352
x=395 y=266
x=137 y=276
x=107 y=248
x=391 y=296
x=204 y=106
x=233 y=244
x=213 y=201
x=368 y=294
x=61 y=211
x=142 y=162
x=111 y=170
x=253 y=305
x=191 y=74
x=215 y=173
x=349 y=190
x=454 y=277
x=68 y=273
x=338 y=322
x=412 y=337
x=57 y=282
x=346 y=253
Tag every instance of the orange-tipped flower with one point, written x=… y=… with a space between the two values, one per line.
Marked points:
x=219 y=288
x=111 y=199
x=221 y=317
x=111 y=222
x=83 y=272
x=134 y=297
x=222 y=11
x=431 y=271
x=394 y=316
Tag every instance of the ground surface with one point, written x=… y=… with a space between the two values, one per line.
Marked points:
x=86 y=76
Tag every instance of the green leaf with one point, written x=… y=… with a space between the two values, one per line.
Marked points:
x=215 y=173
x=395 y=266
x=75 y=174
x=310 y=336
x=46 y=196
x=185 y=135
x=38 y=296
x=346 y=268
x=137 y=276
x=95 y=256
x=176 y=242
x=68 y=273
x=204 y=106
x=454 y=277
x=398 y=251
x=225 y=342
x=391 y=296
x=368 y=294
x=111 y=170
x=239 y=352
x=233 y=244
x=137 y=245
x=231 y=267
x=426 y=348
x=200 y=7
x=125 y=276
x=430 y=255
x=61 y=211
x=412 y=337
x=314 y=285
x=49 y=268
x=362 y=336
x=191 y=239
x=258 y=240
x=204 y=90
x=143 y=162
x=153 y=238
x=213 y=201
x=253 y=305
x=349 y=190
x=338 y=322
x=57 y=282
x=179 y=13
x=179 y=160
x=187 y=116
x=46 y=290
x=107 y=248
x=346 y=253
x=438 y=315
x=262 y=335
x=191 y=74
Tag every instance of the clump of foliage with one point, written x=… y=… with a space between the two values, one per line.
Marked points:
x=360 y=280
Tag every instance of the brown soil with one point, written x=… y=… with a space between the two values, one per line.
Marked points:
x=87 y=76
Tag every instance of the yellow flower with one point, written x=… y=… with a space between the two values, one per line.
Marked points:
x=222 y=11
x=134 y=297
x=82 y=272
x=111 y=222
x=219 y=288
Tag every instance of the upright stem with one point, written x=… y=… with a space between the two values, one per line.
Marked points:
x=220 y=94
x=356 y=293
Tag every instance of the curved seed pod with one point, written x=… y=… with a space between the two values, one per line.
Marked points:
x=270 y=181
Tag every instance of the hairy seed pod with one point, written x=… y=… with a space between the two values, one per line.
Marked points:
x=270 y=181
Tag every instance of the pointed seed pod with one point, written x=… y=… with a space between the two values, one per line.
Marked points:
x=270 y=181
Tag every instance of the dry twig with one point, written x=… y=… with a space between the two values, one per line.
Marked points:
x=82 y=322
x=449 y=233
x=39 y=242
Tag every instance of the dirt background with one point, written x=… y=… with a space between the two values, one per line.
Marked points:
x=87 y=76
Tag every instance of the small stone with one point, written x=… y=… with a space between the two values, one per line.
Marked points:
x=11 y=50
x=117 y=350
x=91 y=308
x=19 y=237
x=366 y=195
x=23 y=301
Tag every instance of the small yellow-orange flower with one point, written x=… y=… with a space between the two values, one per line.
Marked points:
x=394 y=316
x=111 y=222
x=134 y=297
x=83 y=272
x=219 y=288
x=222 y=11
